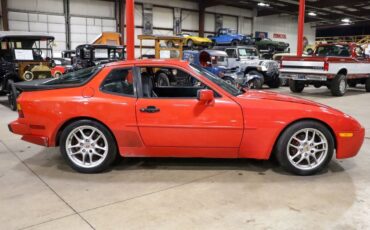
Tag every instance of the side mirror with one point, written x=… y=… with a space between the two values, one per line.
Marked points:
x=205 y=95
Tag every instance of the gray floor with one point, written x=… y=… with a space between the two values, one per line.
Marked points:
x=39 y=191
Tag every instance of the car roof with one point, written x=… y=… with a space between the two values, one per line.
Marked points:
x=180 y=63
x=25 y=35
x=215 y=52
x=99 y=46
x=228 y=47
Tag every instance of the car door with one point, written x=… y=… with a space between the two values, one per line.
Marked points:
x=232 y=58
x=184 y=122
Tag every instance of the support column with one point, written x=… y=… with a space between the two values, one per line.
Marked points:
x=4 y=14
x=121 y=29
x=130 y=30
x=202 y=9
x=300 y=27
x=68 y=26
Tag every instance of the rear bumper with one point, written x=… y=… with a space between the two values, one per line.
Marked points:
x=305 y=77
x=25 y=131
x=349 y=146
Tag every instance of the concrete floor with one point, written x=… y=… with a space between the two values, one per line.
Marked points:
x=39 y=191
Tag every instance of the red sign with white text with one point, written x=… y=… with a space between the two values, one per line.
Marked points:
x=281 y=36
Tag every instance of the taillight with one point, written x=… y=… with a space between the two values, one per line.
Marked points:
x=20 y=111
x=326 y=66
x=280 y=64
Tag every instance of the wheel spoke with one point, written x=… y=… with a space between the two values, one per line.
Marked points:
x=83 y=134
x=99 y=147
x=291 y=145
x=98 y=154
x=77 y=137
x=296 y=155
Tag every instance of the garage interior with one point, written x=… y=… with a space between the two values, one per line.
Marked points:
x=40 y=191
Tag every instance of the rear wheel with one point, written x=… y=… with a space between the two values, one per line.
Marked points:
x=338 y=85
x=88 y=146
x=12 y=96
x=367 y=84
x=296 y=86
x=305 y=148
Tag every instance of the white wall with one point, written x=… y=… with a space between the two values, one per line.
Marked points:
x=284 y=25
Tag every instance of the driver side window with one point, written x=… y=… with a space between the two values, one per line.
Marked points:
x=165 y=82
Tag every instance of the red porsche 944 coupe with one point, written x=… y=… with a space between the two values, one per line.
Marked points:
x=166 y=108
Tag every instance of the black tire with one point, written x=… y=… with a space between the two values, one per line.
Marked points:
x=235 y=42
x=317 y=85
x=274 y=84
x=256 y=83
x=367 y=84
x=296 y=86
x=162 y=80
x=284 y=82
x=112 y=147
x=336 y=87
x=190 y=44
x=12 y=96
x=271 y=49
x=283 y=146
x=229 y=80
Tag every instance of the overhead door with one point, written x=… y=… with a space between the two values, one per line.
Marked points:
x=89 y=19
x=230 y=22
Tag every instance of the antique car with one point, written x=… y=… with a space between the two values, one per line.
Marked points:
x=165 y=47
x=88 y=55
x=246 y=58
x=207 y=118
x=63 y=64
x=192 y=41
x=225 y=36
x=24 y=56
x=270 y=45
x=336 y=66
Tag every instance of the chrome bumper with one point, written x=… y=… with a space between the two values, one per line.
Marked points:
x=304 y=77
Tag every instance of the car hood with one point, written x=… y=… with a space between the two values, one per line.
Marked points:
x=258 y=94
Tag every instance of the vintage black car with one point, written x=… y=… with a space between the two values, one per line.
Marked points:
x=24 y=56
x=88 y=55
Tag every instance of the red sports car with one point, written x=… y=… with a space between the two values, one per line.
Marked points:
x=120 y=108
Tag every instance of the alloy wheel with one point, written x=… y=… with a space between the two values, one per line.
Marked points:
x=86 y=146
x=307 y=149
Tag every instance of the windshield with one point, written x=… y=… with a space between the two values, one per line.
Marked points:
x=77 y=77
x=217 y=80
x=244 y=52
x=333 y=50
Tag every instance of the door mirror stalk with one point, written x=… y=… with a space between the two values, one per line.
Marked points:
x=205 y=96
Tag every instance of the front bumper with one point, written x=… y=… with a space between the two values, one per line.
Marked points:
x=349 y=146
x=26 y=133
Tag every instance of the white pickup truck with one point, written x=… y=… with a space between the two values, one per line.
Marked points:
x=336 y=66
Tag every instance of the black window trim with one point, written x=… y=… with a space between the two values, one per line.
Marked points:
x=120 y=94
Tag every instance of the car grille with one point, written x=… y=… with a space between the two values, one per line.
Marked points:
x=272 y=66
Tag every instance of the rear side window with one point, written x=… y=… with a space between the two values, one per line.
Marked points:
x=119 y=81
x=76 y=77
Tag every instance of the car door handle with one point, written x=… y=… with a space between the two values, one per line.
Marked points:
x=150 y=109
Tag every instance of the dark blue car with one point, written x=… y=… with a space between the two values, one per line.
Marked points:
x=225 y=36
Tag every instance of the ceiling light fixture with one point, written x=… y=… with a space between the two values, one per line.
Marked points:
x=262 y=4
x=312 y=14
x=346 y=20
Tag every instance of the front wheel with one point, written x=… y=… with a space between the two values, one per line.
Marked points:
x=12 y=96
x=305 y=148
x=296 y=86
x=88 y=146
x=256 y=83
x=235 y=43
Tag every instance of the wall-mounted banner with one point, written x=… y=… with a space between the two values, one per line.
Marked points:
x=280 y=36
x=218 y=22
x=176 y=20
x=261 y=34
x=148 y=19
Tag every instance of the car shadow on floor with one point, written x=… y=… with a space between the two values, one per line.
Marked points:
x=324 y=93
